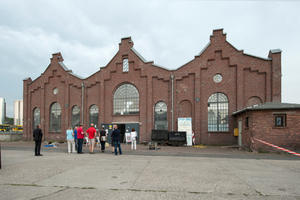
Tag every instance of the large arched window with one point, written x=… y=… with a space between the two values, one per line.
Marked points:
x=55 y=117
x=160 y=116
x=75 y=117
x=126 y=100
x=36 y=117
x=94 y=112
x=217 y=109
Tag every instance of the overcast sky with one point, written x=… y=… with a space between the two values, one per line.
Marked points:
x=169 y=32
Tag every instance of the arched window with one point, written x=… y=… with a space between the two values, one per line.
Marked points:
x=160 y=116
x=94 y=112
x=55 y=117
x=36 y=117
x=75 y=117
x=126 y=100
x=217 y=110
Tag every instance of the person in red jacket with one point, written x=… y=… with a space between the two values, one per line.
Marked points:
x=80 y=136
x=91 y=134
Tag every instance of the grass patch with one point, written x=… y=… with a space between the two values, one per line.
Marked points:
x=230 y=194
x=260 y=194
x=194 y=192
x=88 y=188
x=260 y=150
x=245 y=195
x=134 y=190
x=32 y=185
x=114 y=189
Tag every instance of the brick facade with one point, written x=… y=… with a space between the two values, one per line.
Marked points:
x=246 y=80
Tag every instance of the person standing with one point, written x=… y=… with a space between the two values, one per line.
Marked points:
x=91 y=134
x=103 y=138
x=112 y=143
x=80 y=136
x=116 y=135
x=70 y=139
x=75 y=138
x=133 y=136
x=37 y=137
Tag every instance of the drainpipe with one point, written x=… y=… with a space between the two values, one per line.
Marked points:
x=82 y=101
x=172 y=78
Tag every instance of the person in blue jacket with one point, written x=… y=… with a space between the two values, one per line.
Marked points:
x=116 y=136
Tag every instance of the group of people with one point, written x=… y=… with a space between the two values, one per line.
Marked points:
x=76 y=137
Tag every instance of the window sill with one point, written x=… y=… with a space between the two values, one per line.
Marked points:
x=127 y=115
x=214 y=132
x=278 y=127
x=54 y=132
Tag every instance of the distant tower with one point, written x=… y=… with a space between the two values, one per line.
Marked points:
x=18 y=112
x=2 y=110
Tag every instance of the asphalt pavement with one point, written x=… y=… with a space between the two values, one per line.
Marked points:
x=165 y=173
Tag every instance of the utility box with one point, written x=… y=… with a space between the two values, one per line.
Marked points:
x=236 y=132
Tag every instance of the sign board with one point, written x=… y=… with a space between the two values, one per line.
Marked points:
x=185 y=124
x=128 y=137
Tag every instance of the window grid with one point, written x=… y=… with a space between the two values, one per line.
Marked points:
x=218 y=112
x=279 y=120
x=36 y=117
x=55 y=117
x=93 y=118
x=125 y=65
x=75 y=117
x=160 y=118
x=126 y=100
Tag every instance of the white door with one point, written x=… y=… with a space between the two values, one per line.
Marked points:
x=240 y=133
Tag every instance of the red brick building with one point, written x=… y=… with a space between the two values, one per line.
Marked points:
x=133 y=92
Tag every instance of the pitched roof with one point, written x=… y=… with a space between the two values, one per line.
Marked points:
x=269 y=106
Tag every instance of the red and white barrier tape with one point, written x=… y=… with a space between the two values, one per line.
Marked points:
x=193 y=136
x=277 y=147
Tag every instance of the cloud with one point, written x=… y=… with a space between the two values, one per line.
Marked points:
x=170 y=33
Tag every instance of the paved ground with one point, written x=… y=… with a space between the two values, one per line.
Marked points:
x=167 y=173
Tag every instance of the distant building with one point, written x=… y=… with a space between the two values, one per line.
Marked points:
x=2 y=110
x=18 y=112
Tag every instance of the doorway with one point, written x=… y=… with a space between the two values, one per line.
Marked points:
x=122 y=127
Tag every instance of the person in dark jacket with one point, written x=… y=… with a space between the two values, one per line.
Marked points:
x=103 y=137
x=37 y=137
x=116 y=135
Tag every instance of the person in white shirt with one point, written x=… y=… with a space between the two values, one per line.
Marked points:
x=133 y=136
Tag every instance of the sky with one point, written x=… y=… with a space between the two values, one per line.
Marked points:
x=168 y=32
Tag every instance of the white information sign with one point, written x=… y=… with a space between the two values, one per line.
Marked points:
x=185 y=124
x=128 y=137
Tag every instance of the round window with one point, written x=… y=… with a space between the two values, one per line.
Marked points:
x=55 y=91
x=218 y=78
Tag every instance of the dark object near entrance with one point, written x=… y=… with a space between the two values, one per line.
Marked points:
x=177 y=138
x=160 y=136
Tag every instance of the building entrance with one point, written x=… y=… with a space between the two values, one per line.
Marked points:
x=123 y=128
